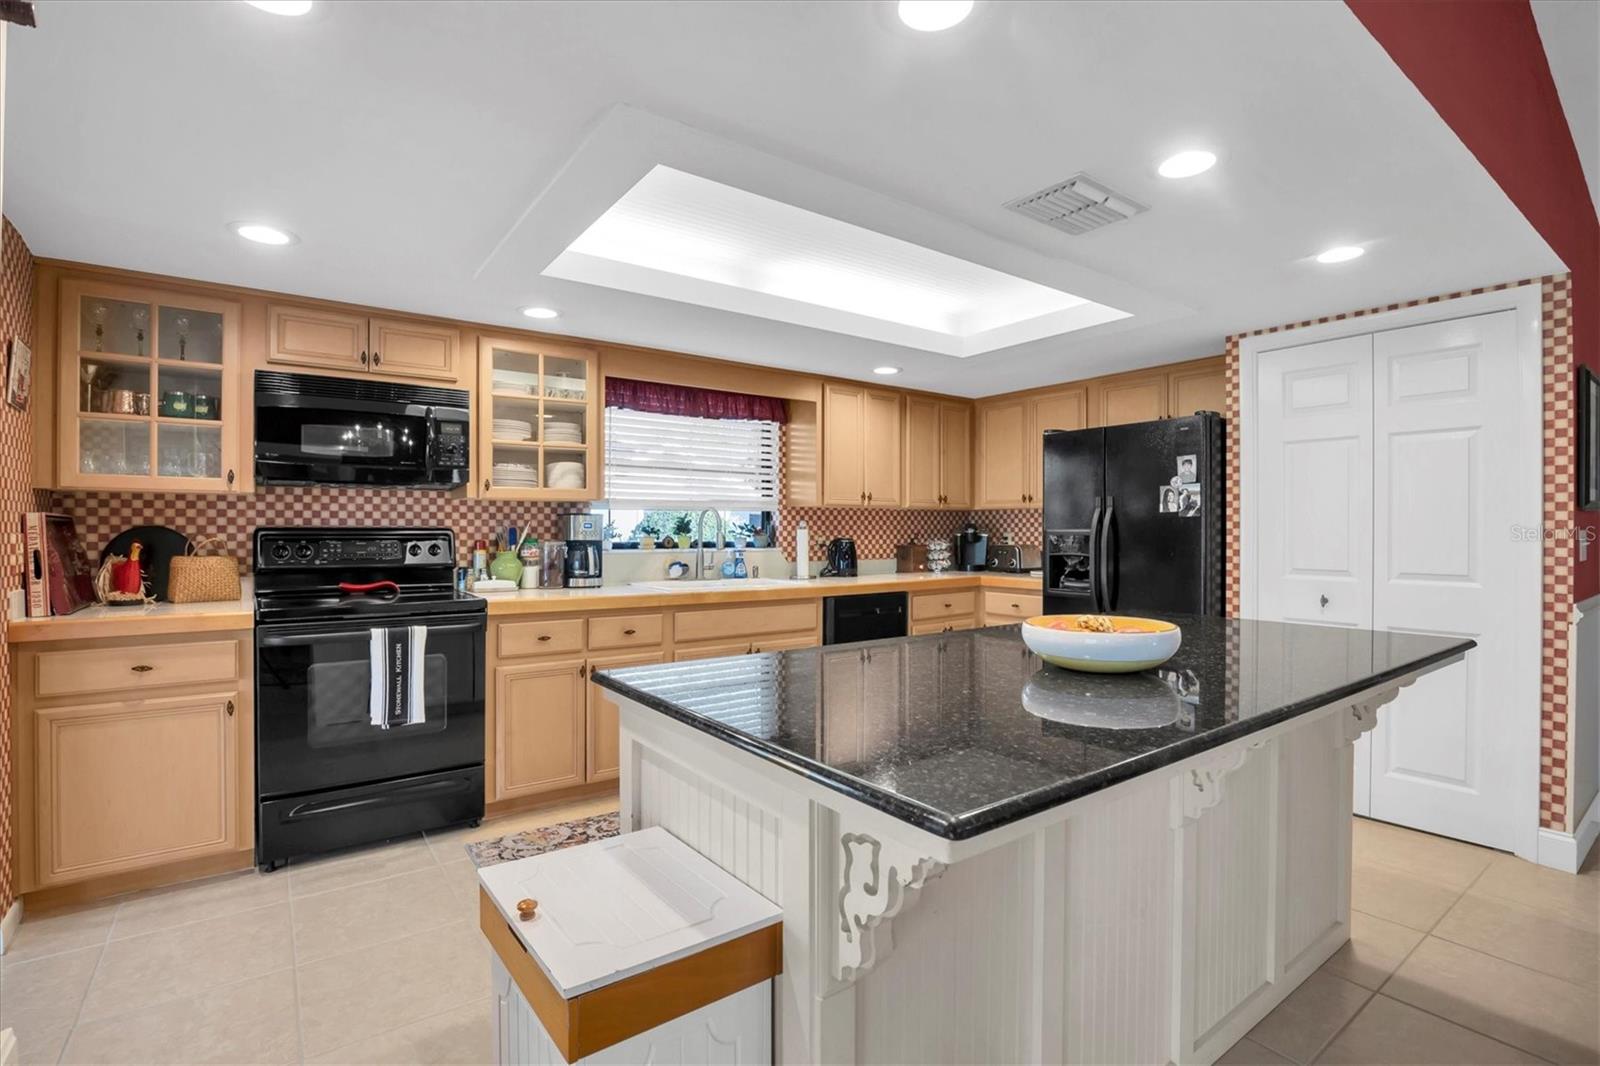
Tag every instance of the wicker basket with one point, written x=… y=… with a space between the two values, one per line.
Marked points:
x=197 y=578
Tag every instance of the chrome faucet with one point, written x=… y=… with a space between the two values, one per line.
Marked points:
x=700 y=542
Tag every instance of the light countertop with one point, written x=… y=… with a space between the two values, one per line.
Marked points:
x=151 y=620
x=166 y=618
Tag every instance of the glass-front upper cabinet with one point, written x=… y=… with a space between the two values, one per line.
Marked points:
x=148 y=391
x=538 y=420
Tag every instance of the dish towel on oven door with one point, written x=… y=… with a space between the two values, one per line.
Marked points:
x=398 y=653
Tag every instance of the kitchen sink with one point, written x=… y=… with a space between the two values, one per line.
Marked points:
x=720 y=584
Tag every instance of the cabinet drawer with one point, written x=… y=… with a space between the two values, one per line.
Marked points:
x=1004 y=604
x=943 y=625
x=626 y=631
x=557 y=636
x=134 y=668
x=928 y=605
x=736 y=622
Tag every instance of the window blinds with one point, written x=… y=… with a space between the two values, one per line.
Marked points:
x=656 y=460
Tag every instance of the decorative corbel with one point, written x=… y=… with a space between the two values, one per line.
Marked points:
x=878 y=879
x=1362 y=716
x=1199 y=787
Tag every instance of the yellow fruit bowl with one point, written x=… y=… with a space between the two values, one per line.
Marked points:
x=1101 y=644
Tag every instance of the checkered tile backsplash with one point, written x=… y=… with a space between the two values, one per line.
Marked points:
x=16 y=496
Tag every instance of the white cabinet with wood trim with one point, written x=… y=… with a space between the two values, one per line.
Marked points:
x=861 y=446
x=149 y=392
x=352 y=342
x=133 y=755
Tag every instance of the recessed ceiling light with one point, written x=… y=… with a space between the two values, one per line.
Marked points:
x=541 y=312
x=886 y=370
x=930 y=16
x=281 y=7
x=262 y=234
x=1187 y=164
x=1342 y=254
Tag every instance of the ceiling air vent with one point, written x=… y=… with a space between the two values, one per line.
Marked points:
x=1077 y=205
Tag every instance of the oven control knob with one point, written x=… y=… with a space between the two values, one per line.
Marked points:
x=434 y=549
x=414 y=551
x=304 y=550
x=280 y=552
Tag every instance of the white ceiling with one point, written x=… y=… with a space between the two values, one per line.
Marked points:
x=436 y=157
x=1570 y=31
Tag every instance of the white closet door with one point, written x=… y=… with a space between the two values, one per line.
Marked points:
x=1314 y=494
x=1445 y=447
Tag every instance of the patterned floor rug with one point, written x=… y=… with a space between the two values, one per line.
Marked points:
x=545 y=838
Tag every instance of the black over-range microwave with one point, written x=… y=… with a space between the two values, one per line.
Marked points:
x=313 y=430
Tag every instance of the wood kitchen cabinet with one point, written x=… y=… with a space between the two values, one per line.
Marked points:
x=538 y=415
x=1198 y=388
x=861 y=446
x=1011 y=448
x=356 y=343
x=140 y=761
x=541 y=720
x=604 y=759
x=938 y=454
x=148 y=392
x=1130 y=398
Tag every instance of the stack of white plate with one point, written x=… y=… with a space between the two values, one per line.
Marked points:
x=516 y=381
x=515 y=476
x=560 y=387
x=564 y=475
x=556 y=432
x=512 y=429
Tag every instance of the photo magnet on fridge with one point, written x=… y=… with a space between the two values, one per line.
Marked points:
x=1188 y=469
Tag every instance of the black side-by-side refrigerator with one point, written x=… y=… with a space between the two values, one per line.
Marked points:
x=1133 y=518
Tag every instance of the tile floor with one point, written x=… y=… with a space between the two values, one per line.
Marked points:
x=1457 y=955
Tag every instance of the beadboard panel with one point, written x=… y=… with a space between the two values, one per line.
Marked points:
x=957 y=988
x=1119 y=861
x=1233 y=857
x=1311 y=818
x=726 y=828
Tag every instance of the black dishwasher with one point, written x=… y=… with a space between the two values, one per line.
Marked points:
x=847 y=619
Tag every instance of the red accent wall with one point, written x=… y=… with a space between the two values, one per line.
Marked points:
x=1483 y=68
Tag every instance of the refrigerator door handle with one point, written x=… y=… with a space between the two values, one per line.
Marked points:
x=1094 y=558
x=1108 y=544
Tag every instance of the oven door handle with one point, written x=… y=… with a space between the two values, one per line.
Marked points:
x=303 y=812
x=293 y=636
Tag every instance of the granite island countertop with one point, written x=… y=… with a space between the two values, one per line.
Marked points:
x=961 y=733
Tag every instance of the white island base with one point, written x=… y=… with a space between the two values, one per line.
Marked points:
x=1156 y=920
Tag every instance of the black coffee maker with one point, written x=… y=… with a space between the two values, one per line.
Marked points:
x=972 y=549
x=841 y=558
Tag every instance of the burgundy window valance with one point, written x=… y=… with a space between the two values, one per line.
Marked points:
x=660 y=399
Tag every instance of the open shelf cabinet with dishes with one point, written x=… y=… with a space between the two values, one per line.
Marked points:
x=148 y=395
x=538 y=420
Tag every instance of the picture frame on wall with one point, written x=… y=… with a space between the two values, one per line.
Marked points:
x=19 y=374
x=1588 y=440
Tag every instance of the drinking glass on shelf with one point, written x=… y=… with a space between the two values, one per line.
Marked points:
x=183 y=335
x=140 y=317
x=99 y=315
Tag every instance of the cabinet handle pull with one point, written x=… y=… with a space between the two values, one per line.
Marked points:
x=375 y=358
x=544 y=637
x=363 y=357
x=230 y=708
x=1016 y=606
x=485 y=484
x=230 y=479
x=1324 y=601
x=947 y=606
x=869 y=497
x=142 y=668
x=629 y=632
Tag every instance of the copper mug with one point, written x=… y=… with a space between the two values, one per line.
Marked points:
x=122 y=402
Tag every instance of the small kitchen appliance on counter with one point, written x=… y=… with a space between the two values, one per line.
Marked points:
x=972 y=549
x=369 y=689
x=841 y=558
x=1014 y=558
x=583 y=534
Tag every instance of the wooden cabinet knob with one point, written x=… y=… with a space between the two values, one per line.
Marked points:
x=629 y=632
x=527 y=909
x=363 y=358
x=544 y=637
x=142 y=669
x=375 y=358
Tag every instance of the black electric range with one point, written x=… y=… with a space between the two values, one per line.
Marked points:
x=369 y=688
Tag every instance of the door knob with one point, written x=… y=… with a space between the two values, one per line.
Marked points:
x=1324 y=601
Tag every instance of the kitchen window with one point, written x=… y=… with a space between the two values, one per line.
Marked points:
x=661 y=468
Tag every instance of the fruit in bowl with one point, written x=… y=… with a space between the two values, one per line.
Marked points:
x=1101 y=644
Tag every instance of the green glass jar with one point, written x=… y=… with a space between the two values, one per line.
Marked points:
x=506 y=567
x=176 y=404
